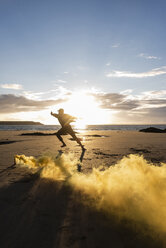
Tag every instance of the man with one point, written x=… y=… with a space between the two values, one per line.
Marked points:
x=65 y=120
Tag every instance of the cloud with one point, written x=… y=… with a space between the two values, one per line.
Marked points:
x=160 y=113
x=156 y=102
x=155 y=94
x=116 y=45
x=59 y=92
x=12 y=104
x=128 y=74
x=61 y=81
x=151 y=115
x=111 y=98
x=58 y=81
x=11 y=86
x=125 y=107
x=145 y=116
x=147 y=107
x=116 y=101
x=143 y=55
x=108 y=64
x=126 y=92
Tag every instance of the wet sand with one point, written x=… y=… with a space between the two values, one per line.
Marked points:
x=37 y=212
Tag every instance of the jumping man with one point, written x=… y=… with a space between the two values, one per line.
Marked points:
x=65 y=120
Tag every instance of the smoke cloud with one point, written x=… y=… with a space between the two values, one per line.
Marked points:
x=133 y=189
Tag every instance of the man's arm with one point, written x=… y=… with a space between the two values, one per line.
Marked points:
x=55 y=115
x=73 y=118
x=70 y=119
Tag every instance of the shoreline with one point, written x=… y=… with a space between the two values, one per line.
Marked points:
x=111 y=127
x=120 y=142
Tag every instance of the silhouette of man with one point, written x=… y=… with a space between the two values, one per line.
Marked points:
x=65 y=120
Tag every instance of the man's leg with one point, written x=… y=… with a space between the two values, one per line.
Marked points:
x=58 y=134
x=72 y=133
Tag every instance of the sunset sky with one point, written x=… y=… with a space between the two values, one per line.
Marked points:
x=101 y=60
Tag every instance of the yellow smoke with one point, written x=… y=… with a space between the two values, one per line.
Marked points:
x=59 y=168
x=133 y=188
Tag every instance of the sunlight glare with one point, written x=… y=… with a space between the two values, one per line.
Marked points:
x=83 y=106
x=80 y=104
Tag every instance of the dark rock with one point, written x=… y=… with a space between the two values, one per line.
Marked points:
x=37 y=134
x=153 y=130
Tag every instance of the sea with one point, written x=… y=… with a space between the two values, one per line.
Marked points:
x=88 y=127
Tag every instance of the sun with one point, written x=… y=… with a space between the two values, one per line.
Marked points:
x=83 y=105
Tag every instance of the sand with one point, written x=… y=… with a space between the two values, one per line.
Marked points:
x=39 y=212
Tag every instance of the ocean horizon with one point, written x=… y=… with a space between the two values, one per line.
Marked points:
x=106 y=127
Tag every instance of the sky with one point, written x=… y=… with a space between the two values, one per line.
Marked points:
x=101 y=60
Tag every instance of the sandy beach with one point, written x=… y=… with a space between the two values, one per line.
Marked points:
x=43 y=212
